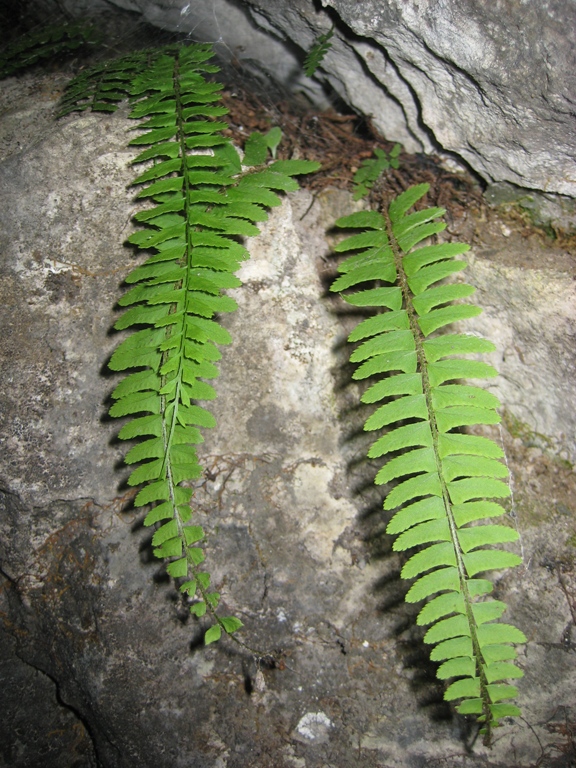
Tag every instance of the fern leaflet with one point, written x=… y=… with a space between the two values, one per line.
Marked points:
x=372 y=168
x=316 y=54
x=201 y=200
x=444 y=477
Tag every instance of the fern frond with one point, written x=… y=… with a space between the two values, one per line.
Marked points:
x=102 y=87
x=317 y=52
x=201 y=200
x=44 y=43
x=443 y=477
x=372 y=168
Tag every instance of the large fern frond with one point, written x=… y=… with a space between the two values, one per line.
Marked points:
x=445 y=479
x=200 y=200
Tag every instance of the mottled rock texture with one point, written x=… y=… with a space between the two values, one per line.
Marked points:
x=101 y=664
x=493 y=83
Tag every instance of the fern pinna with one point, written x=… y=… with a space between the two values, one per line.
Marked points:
x=200 y=200
x=444 y=477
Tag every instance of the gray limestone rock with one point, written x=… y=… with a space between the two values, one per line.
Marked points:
x=493 y=85
x=102 y=663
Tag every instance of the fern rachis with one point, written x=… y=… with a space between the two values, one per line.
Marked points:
x=443 y=477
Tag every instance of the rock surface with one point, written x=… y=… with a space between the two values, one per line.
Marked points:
x=492 y=84
x=103 y=666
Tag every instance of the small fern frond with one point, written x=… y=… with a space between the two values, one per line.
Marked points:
x=443 y=477
x=371 y=169
x=200 y=200
x=102 y=87
x=316 y=54
x=44 y=43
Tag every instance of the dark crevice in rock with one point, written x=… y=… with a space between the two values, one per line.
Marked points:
x=92 y=752
x=429 y=132
x=38 y=726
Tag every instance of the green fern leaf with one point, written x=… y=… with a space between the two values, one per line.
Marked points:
x=455 y=626
x=363 y=220
x=468 y=466
x=102 y=87
x=438 y=318
x=480 y=536
x=383 y=271
x=213 y=634
x=164 y=511
x=390 y=321
x=423 y=533
x=401 y=204
x=149 y=449
x=445 y=479
x=417 y=460
x=459 y=667
x=231 y=624
x=371 y=239
x=433 y=297
x=393 y=341
x=431 y=508
x=467 y=688
x=199 y=609
x=461 y=394
x=425 y=277
x=371 y=169
x=432 y=557
x=452 y=649
x=201 y=201
x=438 y=581
x=47 y=42
x=476 y=488
x=454 y=443
x=443 y=605
x=500 y=670
x=376 y=297
x=316 y=54
x=465 y=415
x=429 y=254
x=447 y=370
x=408 y=407
x=401 y=384
x=427 y=484
x=413 y=220
x=411 y=435
x=489 y=560
x=455 y=344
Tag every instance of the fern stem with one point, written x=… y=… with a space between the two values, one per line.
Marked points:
x=187 y=261
x=169 y=434
x=427 y=389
